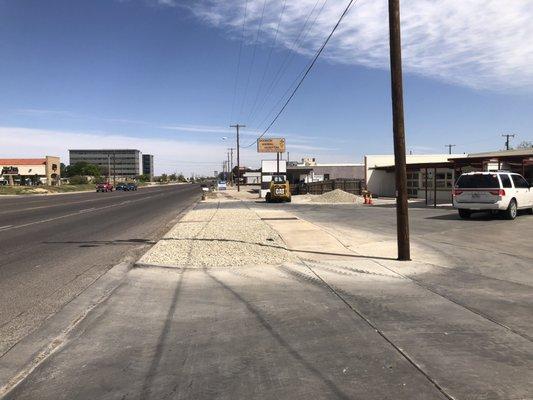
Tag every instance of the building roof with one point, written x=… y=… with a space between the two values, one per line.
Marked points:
x=503 y=153
x=22 y=161
x=417 y=165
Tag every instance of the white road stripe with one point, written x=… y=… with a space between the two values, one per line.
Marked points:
x=87 y=210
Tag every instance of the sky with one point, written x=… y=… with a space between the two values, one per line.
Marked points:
x=168 y=77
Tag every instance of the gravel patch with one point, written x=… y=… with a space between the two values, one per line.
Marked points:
x=336 y=196
x=218 y=233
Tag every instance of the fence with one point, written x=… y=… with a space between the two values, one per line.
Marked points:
x=354 y=186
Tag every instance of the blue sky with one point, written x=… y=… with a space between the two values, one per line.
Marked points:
x=159 y=75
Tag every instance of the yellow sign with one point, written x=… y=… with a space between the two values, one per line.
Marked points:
x=271 y=145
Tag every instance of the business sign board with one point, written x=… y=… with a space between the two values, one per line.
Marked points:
x=271 y=145
x=10 y=171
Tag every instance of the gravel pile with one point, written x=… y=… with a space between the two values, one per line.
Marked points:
x=219 y=233
x=337 y=196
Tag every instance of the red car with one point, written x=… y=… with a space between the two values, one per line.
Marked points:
x=104 y=187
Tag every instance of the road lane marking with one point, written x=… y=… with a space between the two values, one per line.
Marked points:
x=5 y=227
x=84 y=211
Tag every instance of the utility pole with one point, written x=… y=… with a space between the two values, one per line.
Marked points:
x=231 y=164
x=238 y=126
x=507 y=136
x=229 y=170
x=449 y=146
x=402 y=216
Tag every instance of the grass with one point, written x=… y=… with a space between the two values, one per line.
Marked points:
x=43 y=189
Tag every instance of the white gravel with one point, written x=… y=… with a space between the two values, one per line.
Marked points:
x=218 y=233
x=336 y=196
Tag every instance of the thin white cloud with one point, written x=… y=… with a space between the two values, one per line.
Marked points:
x=483 y=45
x=170 y=155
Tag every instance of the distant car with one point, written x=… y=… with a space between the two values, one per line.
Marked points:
x=122 y=186
x=205 y=188
x=104 y=187
x=221 y=185
x=501 y=191
x=131 y=186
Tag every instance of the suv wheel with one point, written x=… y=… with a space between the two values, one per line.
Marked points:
x=512 y=210
x=465 y=214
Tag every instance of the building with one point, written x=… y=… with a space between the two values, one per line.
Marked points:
x=309 y=170
x=252 y=177
x=427 y=170
x=117 y=163
x=148 y=165
x=517 y=160
x=30 y=171
x=432 y=176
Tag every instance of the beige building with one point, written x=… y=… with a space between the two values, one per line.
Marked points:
x=27 y=171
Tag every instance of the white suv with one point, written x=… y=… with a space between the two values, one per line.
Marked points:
x=505 y=192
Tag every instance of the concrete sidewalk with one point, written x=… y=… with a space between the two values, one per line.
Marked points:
x=328 y=323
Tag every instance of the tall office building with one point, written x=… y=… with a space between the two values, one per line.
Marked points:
x=121 y=163
x=148 y=165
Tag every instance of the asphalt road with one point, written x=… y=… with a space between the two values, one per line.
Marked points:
x=54 y=247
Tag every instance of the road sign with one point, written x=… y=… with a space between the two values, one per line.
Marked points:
x=271 y=145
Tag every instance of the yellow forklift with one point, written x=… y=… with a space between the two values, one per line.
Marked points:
x=279 y=189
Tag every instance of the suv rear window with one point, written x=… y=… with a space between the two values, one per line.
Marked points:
x=478 y=181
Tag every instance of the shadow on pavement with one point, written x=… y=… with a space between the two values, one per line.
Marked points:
x=293 y=352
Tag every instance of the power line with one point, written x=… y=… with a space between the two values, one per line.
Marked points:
x=253 y=58
x=239 y=60
x=351 y=2
x=269 y=58
x=289 y=57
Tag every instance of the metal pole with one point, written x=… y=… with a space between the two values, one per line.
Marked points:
x=229 y=171
x=434 y=187
x=426 y=187
x=108 y=168
x=237 y=126
x=402 y=216
x=114 y=169
x=277 y=162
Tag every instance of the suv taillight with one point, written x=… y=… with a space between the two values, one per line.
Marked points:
x=499 y=192
x=457 y=192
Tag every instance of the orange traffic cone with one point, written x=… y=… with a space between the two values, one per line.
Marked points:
x=370 y=199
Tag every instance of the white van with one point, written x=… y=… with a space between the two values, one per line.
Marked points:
x=501 y=191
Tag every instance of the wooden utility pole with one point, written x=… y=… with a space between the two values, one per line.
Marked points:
x=507 y=136
x=238 y=126
x=402 y=215
x=231 y=177
x=449 y=146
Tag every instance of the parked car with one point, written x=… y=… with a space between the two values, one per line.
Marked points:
x=131 y=186
x=122 y=186
x=205 y=188
x=221 y=185
x=104 y=187
x=501 y=191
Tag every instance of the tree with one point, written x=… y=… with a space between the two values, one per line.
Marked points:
x=144 y=178
x=172 y=177
x=526 y=144
x=181 y=178
x=82 y=168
